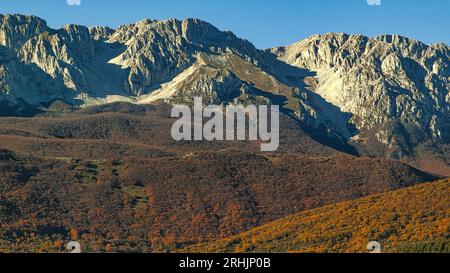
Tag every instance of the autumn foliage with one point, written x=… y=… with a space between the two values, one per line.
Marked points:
x=415 y=219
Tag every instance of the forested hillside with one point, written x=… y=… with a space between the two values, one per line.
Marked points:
x=415 y=219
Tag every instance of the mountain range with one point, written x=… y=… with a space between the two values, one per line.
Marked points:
x=389 y=93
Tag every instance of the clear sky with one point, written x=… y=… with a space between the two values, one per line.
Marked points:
x=266 y=23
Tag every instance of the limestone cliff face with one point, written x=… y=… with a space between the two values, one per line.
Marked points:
x=18 y=81
x=100 y=32
x=131 y=61
x=64 y=55
x=17 y=29
x=157 y=51
x=386 y=79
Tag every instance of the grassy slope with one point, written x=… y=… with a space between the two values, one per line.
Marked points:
x=415 y=219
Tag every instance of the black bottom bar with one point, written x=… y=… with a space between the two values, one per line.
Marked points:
x=225 y=262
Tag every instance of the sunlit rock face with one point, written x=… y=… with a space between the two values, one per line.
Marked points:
x=385 y=79
x=130 y=61
x=15 y=29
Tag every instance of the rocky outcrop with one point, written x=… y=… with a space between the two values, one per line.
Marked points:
x=101 y=33
x=62 y=55
x=157 y=51
x=16 y=29
x=379 y=81
x=131 y=61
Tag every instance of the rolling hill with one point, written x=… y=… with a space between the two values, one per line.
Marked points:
x=415 y=219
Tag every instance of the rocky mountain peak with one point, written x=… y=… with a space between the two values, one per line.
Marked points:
x=75 y=31
x=380 y=80
x=100 y=32
x=16 y=29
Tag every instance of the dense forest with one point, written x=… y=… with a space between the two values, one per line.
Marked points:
x=413 y=220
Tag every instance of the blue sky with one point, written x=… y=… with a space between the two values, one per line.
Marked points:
x=266 y=23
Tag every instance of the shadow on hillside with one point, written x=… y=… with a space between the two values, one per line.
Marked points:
x=294 y=76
